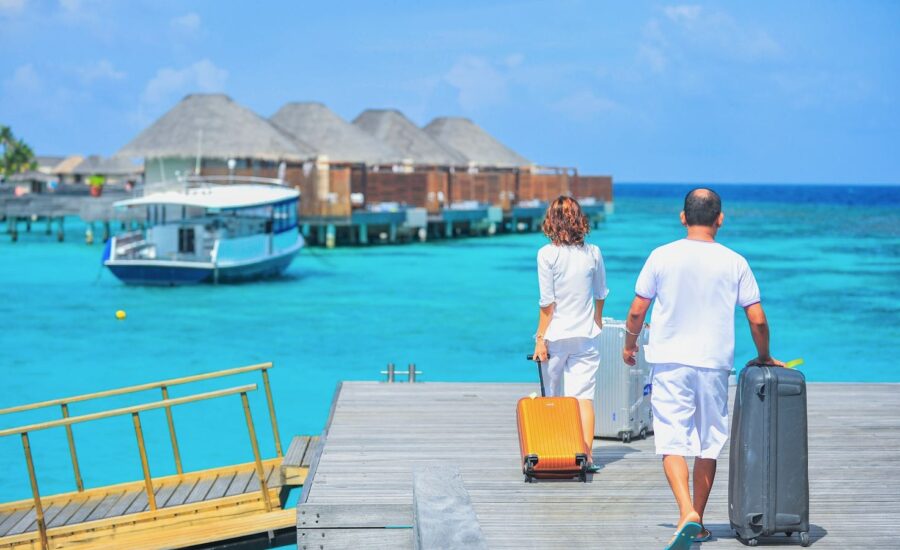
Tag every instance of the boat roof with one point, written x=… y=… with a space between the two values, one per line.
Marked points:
x=217 y=196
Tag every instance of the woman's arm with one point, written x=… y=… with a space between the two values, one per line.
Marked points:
x=540 y=346
x=598 y=313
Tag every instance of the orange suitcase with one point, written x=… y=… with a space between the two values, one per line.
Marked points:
x=550 y=437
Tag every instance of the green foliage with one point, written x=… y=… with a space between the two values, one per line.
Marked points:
x=17 y=155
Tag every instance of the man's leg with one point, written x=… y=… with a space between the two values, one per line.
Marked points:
x=674 y=432
x=711 y=420
x=704 y=475
x=676 y=470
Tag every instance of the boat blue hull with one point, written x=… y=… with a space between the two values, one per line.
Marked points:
x=162 y=275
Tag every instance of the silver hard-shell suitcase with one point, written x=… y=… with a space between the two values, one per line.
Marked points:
x=622 y=397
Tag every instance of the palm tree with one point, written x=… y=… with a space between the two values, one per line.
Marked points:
x=17 y=155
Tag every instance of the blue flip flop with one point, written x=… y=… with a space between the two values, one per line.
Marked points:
x=707 y=538
x=684 y=538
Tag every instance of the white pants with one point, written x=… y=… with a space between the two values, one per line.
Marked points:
x=690 y=410
x=571 y=369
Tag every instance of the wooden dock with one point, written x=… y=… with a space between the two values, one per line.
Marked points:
x=360 y=490
x=237 y=506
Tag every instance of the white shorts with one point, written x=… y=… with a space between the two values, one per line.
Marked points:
x=690 y=410
x=571 y=370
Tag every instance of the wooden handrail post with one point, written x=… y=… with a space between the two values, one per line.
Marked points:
x=79 y=484
x=253 y=443
x=38 y=509
x=148 y=483
x=265 y=377
x=175 y=453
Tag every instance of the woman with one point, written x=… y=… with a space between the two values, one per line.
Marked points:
x=572 y=281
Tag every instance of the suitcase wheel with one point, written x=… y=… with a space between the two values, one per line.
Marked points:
x=804 y=539
x=752 y=542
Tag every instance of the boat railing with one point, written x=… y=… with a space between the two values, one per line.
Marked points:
x=163 y=386
x=134 y=410
x=187 y=183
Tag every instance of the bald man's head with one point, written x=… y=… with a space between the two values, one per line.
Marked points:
x=702 y=206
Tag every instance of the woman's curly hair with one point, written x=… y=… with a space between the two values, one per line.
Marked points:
x=565 y=223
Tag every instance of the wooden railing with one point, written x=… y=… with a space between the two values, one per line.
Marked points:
x=135 y=411
x=164 y=386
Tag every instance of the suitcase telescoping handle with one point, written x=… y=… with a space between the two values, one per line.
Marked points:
x=540 y=372
x=792 y=364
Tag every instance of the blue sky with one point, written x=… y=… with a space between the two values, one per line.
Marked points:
x=645 y=91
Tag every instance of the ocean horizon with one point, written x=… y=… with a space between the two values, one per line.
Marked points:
x=827 y=258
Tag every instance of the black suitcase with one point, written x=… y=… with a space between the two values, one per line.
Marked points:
x=768 y=485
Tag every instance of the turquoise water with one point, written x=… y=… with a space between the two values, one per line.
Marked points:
x=827 y=260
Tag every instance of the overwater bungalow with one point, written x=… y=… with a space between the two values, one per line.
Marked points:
x=211 y=134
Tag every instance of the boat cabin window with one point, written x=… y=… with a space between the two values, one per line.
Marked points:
x=186 y=240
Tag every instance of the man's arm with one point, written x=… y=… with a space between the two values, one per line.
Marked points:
x=633 y=325
x=759 y=329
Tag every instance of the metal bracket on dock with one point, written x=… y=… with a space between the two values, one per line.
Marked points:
x=392 y=373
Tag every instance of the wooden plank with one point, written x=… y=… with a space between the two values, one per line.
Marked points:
x=296 y=450
x=11 y=520
x=87 y=508
x=443 y=512
x=352 y=539
x=354 y=516
x=372 y=450
x=181 y=493
x=65 y=514
x=238 y=485
x=200 y=490
x=310 y=449
x=123 y=503
x=219 y=486
x=100 y=492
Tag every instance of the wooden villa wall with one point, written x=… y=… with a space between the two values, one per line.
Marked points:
x=327 y=193
x=497 y=189
x=598 y=187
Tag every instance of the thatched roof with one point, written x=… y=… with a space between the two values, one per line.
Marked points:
x=478 y=146
x=108 y=166
x=394 y=129
x=330 y=135
x=219 y=128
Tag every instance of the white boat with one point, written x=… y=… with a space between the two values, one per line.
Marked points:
x=204 y=231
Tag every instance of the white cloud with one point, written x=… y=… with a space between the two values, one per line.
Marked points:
x=584 y=105
x=12 y=6
x=101 y=70
x=187 y=23
x=691 y=30
x=72 y=6
x=682 y=12
x=478 y=82
x=24 y=80
x=202 y=76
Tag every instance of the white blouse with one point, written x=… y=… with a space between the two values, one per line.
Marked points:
x=572 y=277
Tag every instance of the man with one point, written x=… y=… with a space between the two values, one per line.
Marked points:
x=696 y=284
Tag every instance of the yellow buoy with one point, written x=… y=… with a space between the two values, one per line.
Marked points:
x=120 y=315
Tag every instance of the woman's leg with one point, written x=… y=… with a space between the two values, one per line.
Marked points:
x=580 y=382
x=587 y=424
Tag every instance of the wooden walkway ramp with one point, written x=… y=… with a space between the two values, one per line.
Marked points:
x=221 y=506
x=359 y=494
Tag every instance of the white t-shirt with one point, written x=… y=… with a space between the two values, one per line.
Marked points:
x=697 y=285
x=571 y=277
